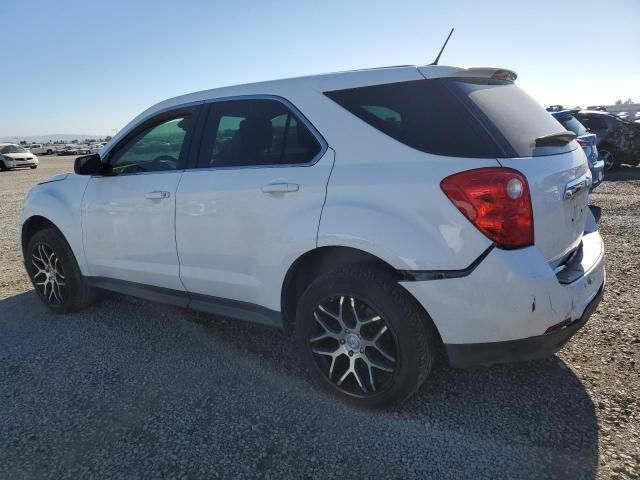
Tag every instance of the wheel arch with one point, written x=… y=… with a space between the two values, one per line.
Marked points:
x=32 y=225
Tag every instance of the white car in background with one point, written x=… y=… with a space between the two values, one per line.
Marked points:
x=14 y=156
x=40 y=149
x=379 y=214
x=97 y=147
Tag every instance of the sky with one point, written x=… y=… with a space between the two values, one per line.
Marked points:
x=88 y=67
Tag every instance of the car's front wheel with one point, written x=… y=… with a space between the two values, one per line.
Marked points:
x=55 y=274
x=364 y=337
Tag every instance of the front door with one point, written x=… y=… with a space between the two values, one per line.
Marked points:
x=128 y=217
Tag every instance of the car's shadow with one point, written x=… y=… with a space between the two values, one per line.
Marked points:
x=622 y=173
x=530 y=420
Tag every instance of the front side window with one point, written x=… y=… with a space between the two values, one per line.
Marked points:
x=255 y=132
x=157 y=148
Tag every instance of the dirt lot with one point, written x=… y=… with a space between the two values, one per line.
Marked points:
x=129 y=389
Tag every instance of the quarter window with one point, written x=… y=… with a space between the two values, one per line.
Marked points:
x=258 y=132
x=158 y=148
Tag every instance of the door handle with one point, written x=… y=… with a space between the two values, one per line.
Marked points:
x=281 y=187
x=157 y=195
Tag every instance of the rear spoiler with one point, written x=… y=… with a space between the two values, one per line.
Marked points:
x=441 y=71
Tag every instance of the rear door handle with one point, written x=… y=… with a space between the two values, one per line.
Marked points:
x=280 y=187
x=157 y=195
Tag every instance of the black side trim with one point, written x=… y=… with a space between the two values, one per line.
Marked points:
x=475 y=354
x=155 y=294
x=219 y=306
x=225 y=307
x=424 y=275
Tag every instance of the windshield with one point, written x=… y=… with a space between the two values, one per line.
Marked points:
x=13 y=149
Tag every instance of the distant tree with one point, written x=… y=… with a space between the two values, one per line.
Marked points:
x=75 y=140
x=107 y=138
x=628 y=101
x=618 y=102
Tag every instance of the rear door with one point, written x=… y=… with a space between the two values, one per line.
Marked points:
x=253 y=202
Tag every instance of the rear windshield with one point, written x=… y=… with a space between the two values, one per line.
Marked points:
x=573 y=125
x=466 y=117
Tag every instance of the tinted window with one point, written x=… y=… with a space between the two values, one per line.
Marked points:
x=253 y=133
x=482 y=118
x=157 y=148
x=594 y=122
x=572 y=124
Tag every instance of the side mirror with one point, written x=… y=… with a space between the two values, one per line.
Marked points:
x=91 y=165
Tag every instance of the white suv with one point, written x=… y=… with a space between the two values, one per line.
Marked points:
x=379 y=214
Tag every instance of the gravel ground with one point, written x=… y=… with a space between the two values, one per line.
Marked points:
x=129 y=389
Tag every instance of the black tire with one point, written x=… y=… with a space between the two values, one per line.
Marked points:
x=3 y=167
x=610 y=157
x=49 y=152
x=33 y=167
x=75 y=294
x=410 y=337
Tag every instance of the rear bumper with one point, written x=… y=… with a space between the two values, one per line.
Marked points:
x=597 y=173
x=511 y=305
x=475 y=354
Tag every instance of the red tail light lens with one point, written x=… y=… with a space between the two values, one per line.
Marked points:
x=497 y=201
x=583 y=143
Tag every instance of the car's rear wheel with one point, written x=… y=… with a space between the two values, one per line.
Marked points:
x=55 y=274
x=608 y=158
x=364 y=337
x=33 y=167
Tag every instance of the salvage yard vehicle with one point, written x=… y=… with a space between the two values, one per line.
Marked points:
x=586 y=140
x=15 y=156
x=40 y=149
x=379 y=215
x=618 y=140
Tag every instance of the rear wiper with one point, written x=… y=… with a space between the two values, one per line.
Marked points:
x=554 y=139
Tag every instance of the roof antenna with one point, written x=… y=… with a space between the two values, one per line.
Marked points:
x=435 y=62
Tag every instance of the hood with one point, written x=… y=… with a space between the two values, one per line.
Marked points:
x=19 y=156
x=56 y=178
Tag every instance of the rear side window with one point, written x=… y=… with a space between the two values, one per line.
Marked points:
x=255 y=132
x=594 y=122
x=466 y=117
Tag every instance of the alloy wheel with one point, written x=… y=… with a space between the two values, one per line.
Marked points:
x=608 y=159
x=353 y=346
x=48 y=275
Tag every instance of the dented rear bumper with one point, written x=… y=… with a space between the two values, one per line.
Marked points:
x=513 y=306
x=474 y=354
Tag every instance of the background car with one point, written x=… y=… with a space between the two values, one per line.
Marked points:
x=618 y=140
x=13 y=156
x=73 y=150
x=586 y=140
x=40 y=149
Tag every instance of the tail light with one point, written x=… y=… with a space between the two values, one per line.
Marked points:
x=583 y=143
x=497 y=201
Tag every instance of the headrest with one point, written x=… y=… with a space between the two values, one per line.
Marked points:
x=256 y=133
